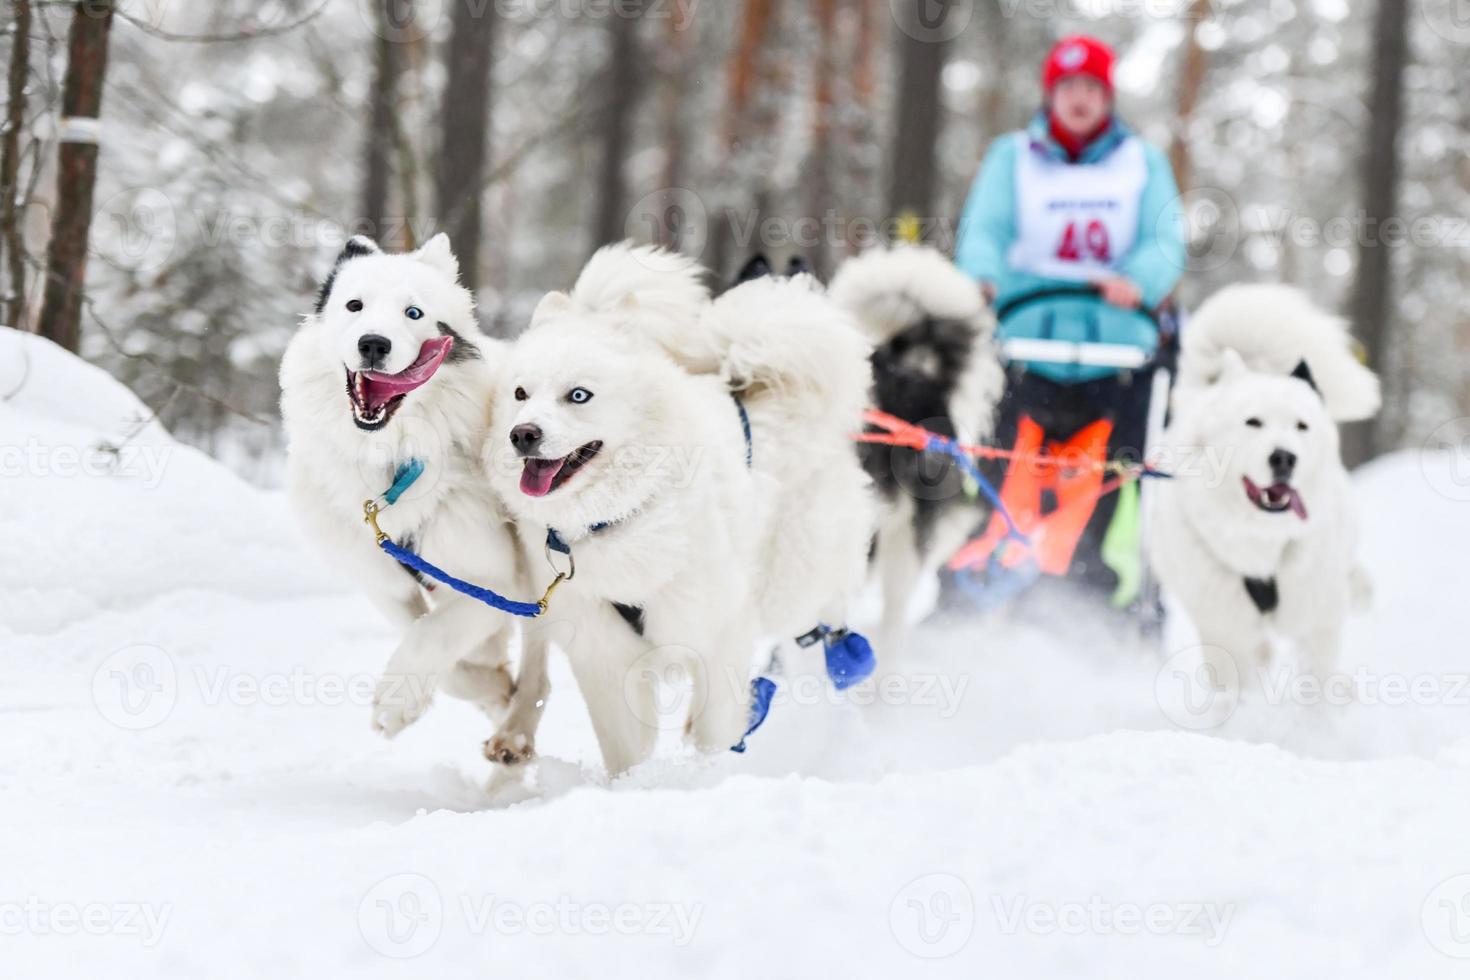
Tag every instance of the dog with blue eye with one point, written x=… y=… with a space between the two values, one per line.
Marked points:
x=691 y=460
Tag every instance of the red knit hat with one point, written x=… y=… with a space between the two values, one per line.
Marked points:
x=1078 y=55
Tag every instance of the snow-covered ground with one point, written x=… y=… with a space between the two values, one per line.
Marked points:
x=189 y=787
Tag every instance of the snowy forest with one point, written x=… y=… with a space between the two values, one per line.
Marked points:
x=695 y=616
x=243 y=142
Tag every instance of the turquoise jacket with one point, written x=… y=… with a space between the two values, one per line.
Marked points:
x=1155 y=263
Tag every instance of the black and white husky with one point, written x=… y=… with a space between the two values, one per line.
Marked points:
x=391 y=370
x=934 y=365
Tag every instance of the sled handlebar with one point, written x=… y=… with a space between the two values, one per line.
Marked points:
x=1121 y=357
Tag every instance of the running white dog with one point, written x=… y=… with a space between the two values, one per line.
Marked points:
x=1257 y=533
x=694 y=457
x=391 y=369
x=935 y=365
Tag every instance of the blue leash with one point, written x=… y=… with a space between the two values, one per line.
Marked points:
x=405 y=476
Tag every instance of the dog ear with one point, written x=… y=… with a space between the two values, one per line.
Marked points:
x=438 y=254
x=358 y=245
x=1304 y=373
x=551 y=304
x=797 y=266
x=757 y=268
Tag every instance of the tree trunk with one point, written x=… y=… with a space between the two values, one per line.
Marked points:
x=820 y=198
x=674 y=69
x=621 y=82
x=1373 y=293
x=1191 y=80
x=382 y=127
x=76 y=178
x=13 y=300
x=918 y=107
x=465 y=122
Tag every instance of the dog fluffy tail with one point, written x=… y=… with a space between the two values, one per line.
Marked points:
x=888 y=290
x=649 y=292
x=1275 y=328
x=784 y=337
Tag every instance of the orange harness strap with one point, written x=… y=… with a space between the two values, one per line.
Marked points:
x=1072 y=471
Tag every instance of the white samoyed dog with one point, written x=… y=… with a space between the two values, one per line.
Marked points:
x=695 y=460
x=391 y=371
x=1256 y=535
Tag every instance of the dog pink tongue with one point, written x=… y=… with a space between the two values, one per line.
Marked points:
x=382 y=387
x=1297 y=506
x=537 y=476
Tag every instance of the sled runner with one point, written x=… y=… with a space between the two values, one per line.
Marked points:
x=1077 y=417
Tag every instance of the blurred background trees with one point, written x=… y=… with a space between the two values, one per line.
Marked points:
x=243 y=142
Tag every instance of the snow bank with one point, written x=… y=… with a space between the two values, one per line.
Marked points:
x=191 y=788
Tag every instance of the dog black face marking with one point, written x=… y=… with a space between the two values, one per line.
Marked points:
x=632 y=615
x=1263 y=593
x=915 y=375
x=462 y=350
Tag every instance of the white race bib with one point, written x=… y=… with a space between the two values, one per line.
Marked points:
x=1077 y=221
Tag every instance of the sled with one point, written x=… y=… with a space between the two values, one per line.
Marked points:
x=1055 y=482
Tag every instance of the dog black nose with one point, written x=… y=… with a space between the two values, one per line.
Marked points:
x=1282 y=465
x=525 y=439
x=374 y=349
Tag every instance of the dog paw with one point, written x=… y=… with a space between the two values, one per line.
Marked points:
x=399 y=701
x=510 y=748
